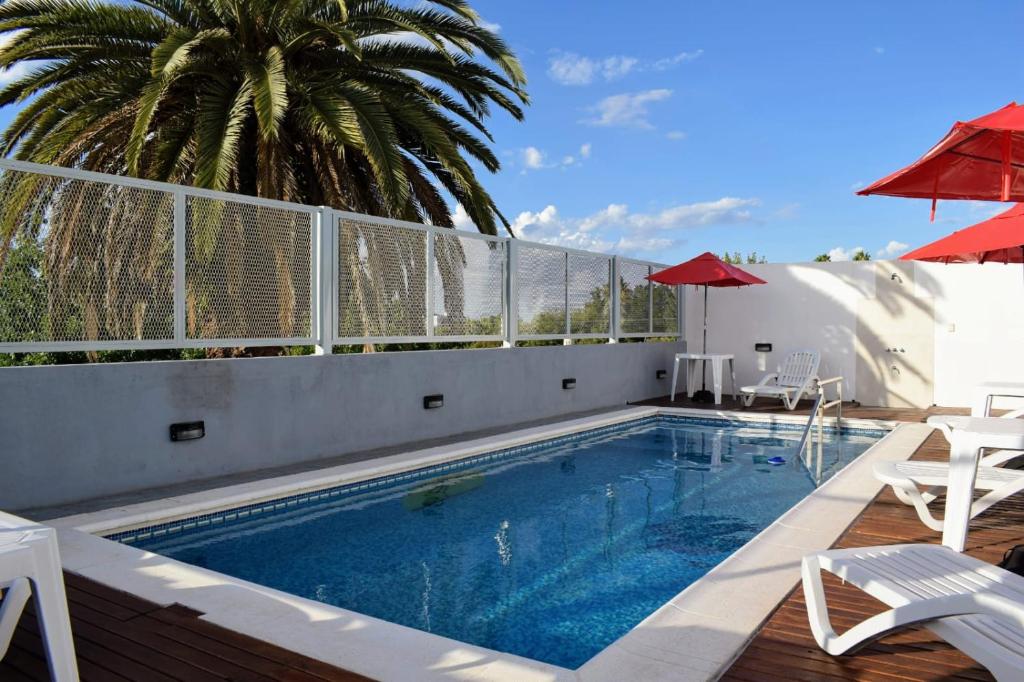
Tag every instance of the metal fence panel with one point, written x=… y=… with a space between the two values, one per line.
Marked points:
x=248 y=271
x=589 y=294
x=634 y=297
x=83 y=261
x=468 y=284
x=91 y=261
x=541 y=277
x=382 y=281
x=665 y=313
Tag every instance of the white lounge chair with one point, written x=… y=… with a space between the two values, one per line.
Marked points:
x=30 y=566
x=907 y=478
x=976 y=607
x=797 y=376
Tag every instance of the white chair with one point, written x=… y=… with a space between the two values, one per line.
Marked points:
x=907 y=478
x=30 y=566
x=976 y=607
x=797 y=376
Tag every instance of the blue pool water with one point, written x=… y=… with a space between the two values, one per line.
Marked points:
x=550 y=551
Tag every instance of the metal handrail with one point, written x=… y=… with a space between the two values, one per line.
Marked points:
x=818 y=411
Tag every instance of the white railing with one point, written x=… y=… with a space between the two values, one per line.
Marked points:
x=806 y=447
x=90 y=261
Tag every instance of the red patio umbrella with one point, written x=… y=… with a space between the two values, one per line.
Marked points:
x=999 y=239
x=980 y=159
x=707 y=270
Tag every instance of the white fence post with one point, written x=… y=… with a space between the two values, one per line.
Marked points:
x=650 y=302
x=325 y=277
x=180 y=236
x=614 y=298
x=429 y=283
x=512 y=293
x=567 y=341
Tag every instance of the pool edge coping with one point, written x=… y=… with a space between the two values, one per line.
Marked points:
x=277 y=617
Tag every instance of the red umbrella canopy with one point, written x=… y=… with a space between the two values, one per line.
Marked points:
x=706 y=269
x=981 y=159
x=999 y=239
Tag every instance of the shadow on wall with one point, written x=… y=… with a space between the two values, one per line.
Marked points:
x=821 y=306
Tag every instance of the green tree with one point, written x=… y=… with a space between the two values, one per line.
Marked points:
x=373 y=106
x=366 y=105
x=823 y=258
x=737 y=259
x=862 y=255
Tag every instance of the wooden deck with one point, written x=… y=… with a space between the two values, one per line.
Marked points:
x=120 y=637
x=784 y=648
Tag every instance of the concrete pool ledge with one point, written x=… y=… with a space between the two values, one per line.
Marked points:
x=694 y=636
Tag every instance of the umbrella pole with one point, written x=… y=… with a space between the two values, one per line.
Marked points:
x=704 y=364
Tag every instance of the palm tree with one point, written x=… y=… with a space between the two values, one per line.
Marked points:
x=364 y=105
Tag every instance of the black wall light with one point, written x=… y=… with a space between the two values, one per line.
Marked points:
x=763 y=347
x=660 y=374
x=432 y=402
x=188 y=430
x=568 y=383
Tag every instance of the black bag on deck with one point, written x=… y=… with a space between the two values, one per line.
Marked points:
x=1013 y=560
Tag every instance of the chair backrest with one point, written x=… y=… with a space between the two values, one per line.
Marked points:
x=798 y=367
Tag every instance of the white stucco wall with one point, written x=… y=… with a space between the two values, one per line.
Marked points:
x=979 y=320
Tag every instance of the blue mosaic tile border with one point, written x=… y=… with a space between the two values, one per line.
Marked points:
x=250 y=511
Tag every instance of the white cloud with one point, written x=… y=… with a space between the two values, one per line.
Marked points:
x=617 y=67
x=676 y=60
x=879 y=50
x=628 y=109
x=20 y=69
x=570 y=68
x=533 y=158
x=893 y=248
x=461 y=219
x=840 y=254
x=675 y=135
x=585 y=150
x=616 y=229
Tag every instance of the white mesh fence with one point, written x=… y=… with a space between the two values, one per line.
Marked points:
x=91 y=262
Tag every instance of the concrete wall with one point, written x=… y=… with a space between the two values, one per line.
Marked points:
x=76 y=432
x=978 y=320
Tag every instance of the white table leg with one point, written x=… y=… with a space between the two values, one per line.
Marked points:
x=675 y=376
x=963 y=468
x=716 y=376
x=732 y=376
x=691 y=376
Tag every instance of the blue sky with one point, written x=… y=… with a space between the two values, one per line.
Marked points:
x=741 y=125
x=662 y=129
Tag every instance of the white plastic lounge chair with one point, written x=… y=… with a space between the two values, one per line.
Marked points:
x=797 y=376
x=905 y=477
x=976 y=607
x=30 y=566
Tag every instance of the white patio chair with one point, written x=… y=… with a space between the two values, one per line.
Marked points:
x=907 y=478
x=797 y=376
x=30 y=566
x=976 y=607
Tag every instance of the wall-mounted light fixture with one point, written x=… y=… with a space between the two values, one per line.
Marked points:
x=660 y=374
x=568 y=383
x=188 y=430
x=432 y=402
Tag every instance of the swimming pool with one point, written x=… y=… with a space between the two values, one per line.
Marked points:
x=551 y=550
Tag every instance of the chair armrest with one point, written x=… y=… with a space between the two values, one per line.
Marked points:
x=767 y=378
